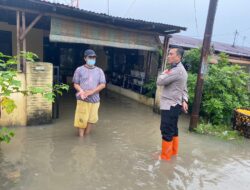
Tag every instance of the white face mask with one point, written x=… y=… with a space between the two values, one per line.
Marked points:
x=91 y=62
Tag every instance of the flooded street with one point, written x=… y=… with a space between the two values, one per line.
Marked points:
x=119 y=155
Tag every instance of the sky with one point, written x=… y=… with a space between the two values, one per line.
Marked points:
x=231 y=15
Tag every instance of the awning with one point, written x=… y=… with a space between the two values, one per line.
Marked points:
x=80 y=32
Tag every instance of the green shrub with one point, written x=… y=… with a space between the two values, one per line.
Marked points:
x=192 y=58
x=225 y=88
x=6 y=134
x=10 y=85
x=150 y=87
x=222 y=131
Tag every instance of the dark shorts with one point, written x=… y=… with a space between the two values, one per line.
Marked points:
x=169 y=122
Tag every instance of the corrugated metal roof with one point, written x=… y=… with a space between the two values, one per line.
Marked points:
x=66 y=10
x=108 y=16
x=189 y=42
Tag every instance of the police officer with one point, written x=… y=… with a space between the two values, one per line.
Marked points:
x=174 y=98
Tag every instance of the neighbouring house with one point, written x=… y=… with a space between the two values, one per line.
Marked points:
x=237 y=55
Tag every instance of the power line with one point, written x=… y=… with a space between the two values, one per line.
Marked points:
x=108 y=6
x=130 y=6
x=225 y=34
x=195 y=16
x=215 y=35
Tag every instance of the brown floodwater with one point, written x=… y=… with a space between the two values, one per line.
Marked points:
x=119 y=154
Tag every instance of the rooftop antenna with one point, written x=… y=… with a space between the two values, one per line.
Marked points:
x=235 y=36
x=108 y=6
x=243 y=40
x=75 y=3
x=72 y=3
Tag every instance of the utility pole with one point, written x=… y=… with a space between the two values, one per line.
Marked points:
x=235 y=36
x=203 y=67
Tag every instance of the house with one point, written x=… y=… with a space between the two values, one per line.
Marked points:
x=237 y=55
x=127 y=50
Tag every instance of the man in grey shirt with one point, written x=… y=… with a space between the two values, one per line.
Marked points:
x=88 y=80
x=174 y=97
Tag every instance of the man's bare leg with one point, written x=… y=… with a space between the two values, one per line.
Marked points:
x=88 y=129
x=81 y=132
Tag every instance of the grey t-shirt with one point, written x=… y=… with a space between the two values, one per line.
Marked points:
x=89 y=79
x=174 y=82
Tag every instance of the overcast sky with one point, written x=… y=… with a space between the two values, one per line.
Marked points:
x=231 y=15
